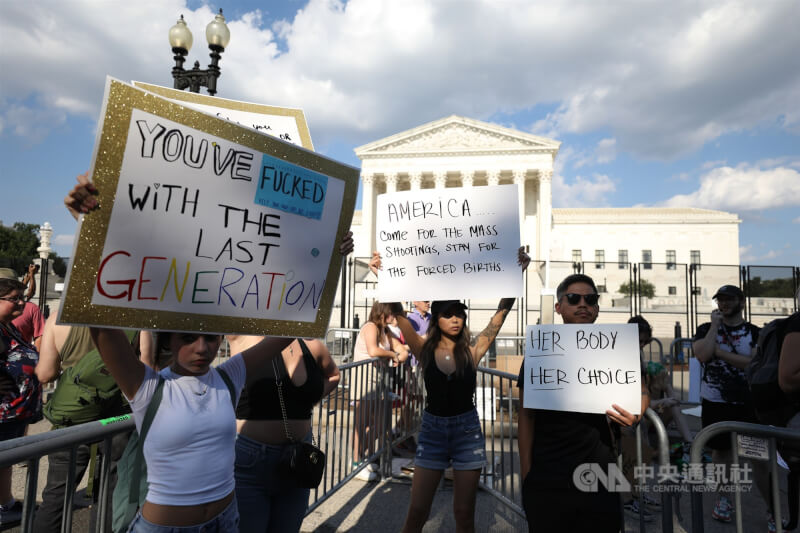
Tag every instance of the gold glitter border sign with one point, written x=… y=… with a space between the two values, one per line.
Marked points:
x=120 y=101
x=234 y=105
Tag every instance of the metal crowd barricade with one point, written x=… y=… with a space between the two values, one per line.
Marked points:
x=772 y=434
x=31 y=449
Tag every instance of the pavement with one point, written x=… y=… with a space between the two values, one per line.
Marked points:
x=360 y=506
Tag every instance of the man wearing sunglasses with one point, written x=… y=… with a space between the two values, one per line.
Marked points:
x=552 y=444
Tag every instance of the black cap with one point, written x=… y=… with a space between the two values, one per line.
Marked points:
x=440 y=306
x=729 y=290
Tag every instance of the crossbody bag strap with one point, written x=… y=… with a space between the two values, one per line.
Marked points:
x=279 y=386
x=149 y=415
x=229 y=383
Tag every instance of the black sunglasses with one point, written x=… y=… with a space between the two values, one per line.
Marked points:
x=575 y=299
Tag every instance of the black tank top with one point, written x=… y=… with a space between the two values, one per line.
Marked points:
x=259 y=399
x=449 y=395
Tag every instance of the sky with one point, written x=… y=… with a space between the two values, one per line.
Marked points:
x=681 y=103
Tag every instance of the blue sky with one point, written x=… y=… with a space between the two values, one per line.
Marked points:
x=681 y=104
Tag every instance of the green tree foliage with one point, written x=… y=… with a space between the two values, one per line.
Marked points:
x=18 y=245
x=646 y=289
x=771 y=288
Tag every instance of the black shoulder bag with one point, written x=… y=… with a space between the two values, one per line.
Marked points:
x=301 y=463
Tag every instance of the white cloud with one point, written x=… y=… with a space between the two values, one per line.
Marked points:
x=747 y=255
x=796 y=221
x=582 y=192
x=661 y=78
x=743 y=188
x=64 y=240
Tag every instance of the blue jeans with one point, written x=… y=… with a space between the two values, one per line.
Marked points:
x=266 y=502
x=446 y=440
x=225 y=522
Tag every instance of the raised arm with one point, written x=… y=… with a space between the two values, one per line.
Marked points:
x=49 y=366
x=326 y=363
x=120 y=359
x=486 y=337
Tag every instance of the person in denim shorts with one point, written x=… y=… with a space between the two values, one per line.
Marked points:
x=450 y=434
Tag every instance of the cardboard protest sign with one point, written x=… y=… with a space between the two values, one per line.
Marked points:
x=582 y=367
x=437 y=244
x=285 y=123
x=205 y=225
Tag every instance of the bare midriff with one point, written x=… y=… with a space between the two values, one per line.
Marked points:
x=184 y=515
x=271 y=431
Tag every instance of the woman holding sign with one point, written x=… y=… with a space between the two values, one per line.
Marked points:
x=450 y=434
x=189 y=450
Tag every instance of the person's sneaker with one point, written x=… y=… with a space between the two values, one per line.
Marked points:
x=372 y=467
x=649 y=501
x=11 y=514
x=634 y=509
x=367 y=475
x=771 y=527
x=722 y=510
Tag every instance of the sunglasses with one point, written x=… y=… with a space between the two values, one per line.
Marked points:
x=575 y=299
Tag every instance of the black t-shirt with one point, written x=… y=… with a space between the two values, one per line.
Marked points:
x=721 y=381
x=563 y=440
x=792 y=324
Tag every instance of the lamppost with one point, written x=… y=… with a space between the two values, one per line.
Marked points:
x=45 y=234
x=180 y=39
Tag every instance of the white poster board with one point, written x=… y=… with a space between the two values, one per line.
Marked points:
x=582 y=367
x=206 y=226
x=439 y=244
x=286 y=123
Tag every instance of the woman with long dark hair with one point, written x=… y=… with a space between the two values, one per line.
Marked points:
x=450 y=434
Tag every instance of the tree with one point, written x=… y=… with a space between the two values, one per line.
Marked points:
x=646 y=289
x=18 y=245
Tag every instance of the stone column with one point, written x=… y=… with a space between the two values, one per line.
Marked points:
x=545 y=218
x=492 y=177
x=368 y=213
x=391 y=181
x=519 y=181
x=415 y=180
x=440 y=179
x=466 y=178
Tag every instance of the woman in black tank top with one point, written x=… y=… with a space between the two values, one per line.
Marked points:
x=450 y=433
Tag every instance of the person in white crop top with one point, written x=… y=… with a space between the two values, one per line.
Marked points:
x=189 y=448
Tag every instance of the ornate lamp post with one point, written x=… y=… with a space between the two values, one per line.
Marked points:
x=180 y=39
x=45 y=234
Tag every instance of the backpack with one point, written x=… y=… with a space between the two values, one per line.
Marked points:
x=772 y=406
x=85 y=392
x=131 y=489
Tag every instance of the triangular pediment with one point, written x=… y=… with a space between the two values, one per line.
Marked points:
x=456 y=134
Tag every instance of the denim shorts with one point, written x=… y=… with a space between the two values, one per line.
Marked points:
x=225 y=522
x=451 y=440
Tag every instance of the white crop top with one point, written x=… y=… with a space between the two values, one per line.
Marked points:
x=190 y=447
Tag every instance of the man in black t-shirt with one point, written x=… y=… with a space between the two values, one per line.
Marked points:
x=725 y=346
x=552 y=444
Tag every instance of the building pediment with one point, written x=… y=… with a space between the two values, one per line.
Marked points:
x=458 y=135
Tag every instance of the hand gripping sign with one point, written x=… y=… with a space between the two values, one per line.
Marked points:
x=205 y=225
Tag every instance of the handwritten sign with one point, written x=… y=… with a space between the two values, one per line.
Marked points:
x=437 y=244
x=206 y=226
x=286 y=123
x=582 y=367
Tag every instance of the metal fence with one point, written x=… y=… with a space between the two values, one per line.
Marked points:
x=737 y=430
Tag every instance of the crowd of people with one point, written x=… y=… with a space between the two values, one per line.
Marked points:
x=216 y=435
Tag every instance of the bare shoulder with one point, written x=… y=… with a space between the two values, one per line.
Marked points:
x=317 y=348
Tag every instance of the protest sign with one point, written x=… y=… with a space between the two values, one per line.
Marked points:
x=286 y=123
x=438 y=244
x=582 y=367
x=205 y=225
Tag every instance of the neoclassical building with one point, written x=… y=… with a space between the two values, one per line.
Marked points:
x=461 y=152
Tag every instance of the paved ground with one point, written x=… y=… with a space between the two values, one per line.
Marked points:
x=381 y=506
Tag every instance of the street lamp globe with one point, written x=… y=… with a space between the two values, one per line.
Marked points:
x=180 y=36
x=217 y=32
